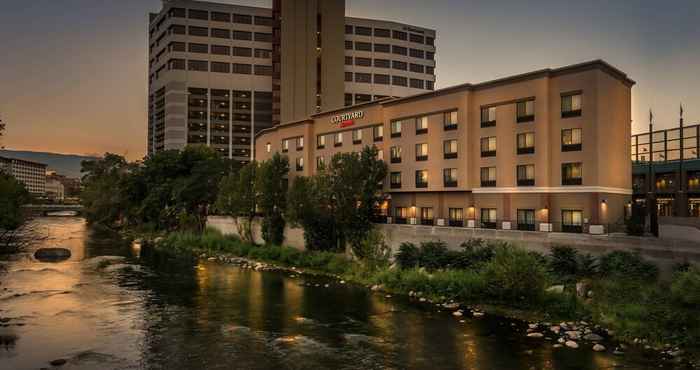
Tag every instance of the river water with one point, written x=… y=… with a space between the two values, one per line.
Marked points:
x=157 y=312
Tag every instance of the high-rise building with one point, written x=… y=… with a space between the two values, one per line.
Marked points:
x=31 y=174
x=218 y=73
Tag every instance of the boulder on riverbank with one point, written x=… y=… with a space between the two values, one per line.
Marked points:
x=52 y=254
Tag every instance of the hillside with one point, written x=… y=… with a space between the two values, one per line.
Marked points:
x=64 y=164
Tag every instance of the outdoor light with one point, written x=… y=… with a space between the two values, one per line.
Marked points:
x=603 y=201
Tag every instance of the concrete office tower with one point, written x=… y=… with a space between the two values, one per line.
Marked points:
x=220 y=72
x=31 y=174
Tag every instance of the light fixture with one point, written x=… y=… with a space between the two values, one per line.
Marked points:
x=603 y=201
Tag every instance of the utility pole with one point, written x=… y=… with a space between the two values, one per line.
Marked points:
x=651 y=189
x=682 y=196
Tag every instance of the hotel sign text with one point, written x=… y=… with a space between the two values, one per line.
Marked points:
x=347 y=119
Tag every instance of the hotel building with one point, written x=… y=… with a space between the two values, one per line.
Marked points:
x=546 y=150
x=218 y=73
x=31 y=174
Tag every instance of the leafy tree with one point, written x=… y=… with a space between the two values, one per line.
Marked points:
x=271 y=185
x=308 y=206
x=103 y=196
x=13 y=195
x=237 y=198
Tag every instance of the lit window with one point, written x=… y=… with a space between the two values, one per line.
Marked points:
x=488 y=117
x=571 y=105
x=422 y=125
x=525 y=111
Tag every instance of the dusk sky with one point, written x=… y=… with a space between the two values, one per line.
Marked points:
x=73 y=72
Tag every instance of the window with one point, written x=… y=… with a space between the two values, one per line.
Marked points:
x=242 y=52
x=348 y=99
x=571 y=174
x=243 y=18
x=430 y=41
x=198 y=31
x=526 y=143
x=363 y=62
x=400 y=213
x=399 y=50
x=382 y=48
x=571 y=105
x=380 y=154
x=261 y=70
x=421 y=152
x=395 y=64
x=395 y=128
x=449 y=120
x=220 y=17
x=363 y=31
x=382 y=32
x=220 y=50
x=488 y=177
x=417 y=68
x=430 y=70
x=220 y=33
x=338 y=139
x=381 y=79
x=320 y=141
x=426 y=215
x=363 y=46
x=422 y=179
x=268 y=147
x=263 y=37
x=417 y=38
x=285 y=145
x=198 y=48
x=198 y=14
x=449 y=176
x=456 y=217
x=572 y=221
x=179 y=46
x=348 y=61
x=241 y=68
x=449 y=148
x=488 y=117
x=243 y=35
x=382 y=63
x=177 y=12
x=348 y=45
x=526 y=175
x=395 y=180
x=220 y=67
x=363 y=77
x=526 y=219
x=176 y=64
x=488 y=218
x=362 y=98
x=357 y=136
x=348 y=29
x=300 y=164
x=415 y=53
x=348 y=76
x=488 y=146
x=300 y=143
x=177 y=29
x=525 y=111
x=378 y=132
x=197 y=65
x=320 y=162
x=422 y=125
x=430 y=55
x=399 y=35
x=571 y=140
x=417 y=84
x=399 y=81
x=263 y=21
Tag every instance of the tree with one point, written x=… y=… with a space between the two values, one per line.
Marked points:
x=13 y=232
x=237 y=198
x=308 y=206
x=103 y=198
x=271 y=185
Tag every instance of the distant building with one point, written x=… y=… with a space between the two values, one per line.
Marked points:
x=71 y=186
x=55 y=190
x=31 y=174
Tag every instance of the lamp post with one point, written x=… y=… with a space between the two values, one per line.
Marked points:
x=651 y=189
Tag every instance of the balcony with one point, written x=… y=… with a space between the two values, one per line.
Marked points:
x=395 y=134
x=570 y=147
x=488 y=184
x=300 y=148
x=489 y=224
x=421 y=131
x=356 y=142
x=400 y=220
x=338 y=144
x=450 y=183
x=321 y=146
x=571 y=181
x=523 y=119
x=528 y=150
x=485 y=124
x=421 y=158
x=571 y=113
x=450 y=155
x=421 y=184
x=526 y=182
x=490 y=153
x=450 y=126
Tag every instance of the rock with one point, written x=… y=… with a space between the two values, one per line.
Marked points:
x=326 y=286
x=211 y=259
x=561 y=340
x=158 y=239
x=478 y=314
x=457 y=313
x=376 y=287
x=599 y=348
x=675 y=353
x=571 y=344
x=557 y=345
x=592 y=337
x=52 y=254
x=555 y=329
x=532 y=326
x=617 y=352
x=535 y=335
x=58 y=362
x=556 y=289
x=422 y=299
x=342 y=281
x=573 y=334
x=451 y=306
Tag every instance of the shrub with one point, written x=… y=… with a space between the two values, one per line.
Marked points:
x=433 y=255
x=373 y=251
x=474 y=253
x=564 y=261
x=408 y=255
x=514 y=275
x=627 y=265
x=685 y=287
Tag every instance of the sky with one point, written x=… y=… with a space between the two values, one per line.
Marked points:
x=73 y=73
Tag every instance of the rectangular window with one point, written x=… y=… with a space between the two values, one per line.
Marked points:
x=198 y=65
x=178 y=64
x=242 y=52
x=363 y=77
x=382 y=48
x=243 y=18
x=362 y=98
x=363 y=46
x=417 y=38
x=220 y=33
x=488 y=177
x=417 y=84
x=381 y=79
x=198 y=14
x=348 y=100
x=416 y=53
x=348 y=76
x=395 y=128
x=382 y=32
x=263 y=21
x=401 y=213
x=382 y=63
x=526 y=219
x=429 y=55
x=488 y=117
x=363 y=31
x=399 y=50
x=245 y=69
x=449 y=120
x=378 y=133
x=363 y=62
x=421 y=152
x=399 y=35
x=263 y=37
x=571 y=140
x=525 y=111
x=320 y=141
x=179 y=46
x=220 y=67
x=417 y=68
x=426 y=216
x=220 y=50
x=285 y=145
x=338 y=139
x=449 y=176
x=430 y=70
x=571 y=105
x=348 y=45
x=357 y=136
x=422 y=125
x=572 y=221
x=348 y=61
x=430 y=41
x=571 y=174
x=348 y=29
x=422 y=179
x=177 y=29
x=300 y=143
x=402 y=66
x=220 y=17
x=526 y=143
x=243 y=35
x=198 y=48
x=488 y=146
x=177 y=12
x=395 y=180
x=488 y=218
x=399 y=81
x=300 y=164
x=526 y=175
x=449 y=148
x=198 y=31
x=261 y=70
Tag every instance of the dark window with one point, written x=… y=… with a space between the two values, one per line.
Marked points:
x=421 y=152
x=198 y=14
x=430 y=40
x=571 y=105
x=418 y=68
x=415 y=53
x=525 y=111
x=449 y=148
x=348 y=29
x=363 y=46
x=197 y=65
x=198 y=31
x=242 y=68
x=382 y=48
x=177 y=12
x=488 y=146
x=348 y=76
x=381 y=79
x=220 y=50
x=430 y=70
x=363 y=62
x=242 y=35
x=363 y=31
x=263 y=21
x=263 y=53
x=198 y=48
x=449 y=120
x=488 y=177
x=243 y=18
x=449 y=176
x=348 y=99
x=348 y=45
x=399 y=35
x=220 y=67
x=348 y=61
x=177 y=46
x=571 y=140
x=400 y=50
x=571 y=174
x=399 y=81
x=395 y=64
x=220 y=17
x=417 y=84
x=176 y=64
x=177 y=29
x=488 y=117
x=242 y=52
x=220 y=33
x=261 y=70
x=429 y=55
x=417 y=38
x=429 y=85
x=382 y=32
x=263 y=37
x=395 y=181
x=362 y=98
x=382 y=63
x=526 y=143
x=363 y=77
x=526 y=219
x=526 y=175
x=488 y=218
x=422 y=179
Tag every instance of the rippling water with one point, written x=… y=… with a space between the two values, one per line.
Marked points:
x=108 y=307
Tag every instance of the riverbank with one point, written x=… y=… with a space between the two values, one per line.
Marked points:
x=591 y=312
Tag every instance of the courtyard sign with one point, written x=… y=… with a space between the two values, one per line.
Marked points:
x=347 y=119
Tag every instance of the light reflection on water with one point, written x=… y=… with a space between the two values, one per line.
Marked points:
x=157 y=312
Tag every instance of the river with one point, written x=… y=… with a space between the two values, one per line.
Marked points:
x=158 y=312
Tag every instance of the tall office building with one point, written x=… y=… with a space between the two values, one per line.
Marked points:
x=31 y=174
x=218 y=73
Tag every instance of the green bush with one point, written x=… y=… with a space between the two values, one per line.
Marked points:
x=685 y=287
x=627 y=265
x=408 y=255
x=433 y=255
x=514 y=275
x=473 y=253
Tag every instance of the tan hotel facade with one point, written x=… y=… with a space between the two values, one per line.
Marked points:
x=546 y=150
